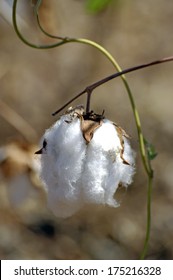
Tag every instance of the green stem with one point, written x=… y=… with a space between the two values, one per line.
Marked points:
x=25 y=41
x=148 y=229
x=66 y=40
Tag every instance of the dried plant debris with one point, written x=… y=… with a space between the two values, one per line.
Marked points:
x=84 y=158
x=19 y=172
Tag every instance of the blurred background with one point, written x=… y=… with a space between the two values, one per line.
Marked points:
x=34 y=83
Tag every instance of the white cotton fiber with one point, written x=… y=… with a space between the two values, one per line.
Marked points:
x=76 y=172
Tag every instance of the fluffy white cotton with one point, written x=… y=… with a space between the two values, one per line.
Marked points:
x=76 y=172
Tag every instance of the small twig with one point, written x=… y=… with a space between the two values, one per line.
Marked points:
x=89 y=92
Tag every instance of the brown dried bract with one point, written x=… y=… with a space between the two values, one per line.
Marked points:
x=121 y=132
x=78 y=111
x=89 y=123
x=88 y=127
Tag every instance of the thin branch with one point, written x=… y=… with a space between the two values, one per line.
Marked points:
x=93 y=86
x=69 y=102
x=128 y=70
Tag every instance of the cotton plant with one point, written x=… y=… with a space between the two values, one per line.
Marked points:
x=84 y=158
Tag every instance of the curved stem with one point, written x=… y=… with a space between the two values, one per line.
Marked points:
x=24 y=40
x=64 y=40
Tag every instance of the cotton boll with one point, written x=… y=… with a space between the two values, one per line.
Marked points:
x=101 y=153
x=128 y=170
x=104 y=168
x=106 y=137
x=62 y=165
x=94 y=175
x=83 y=160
